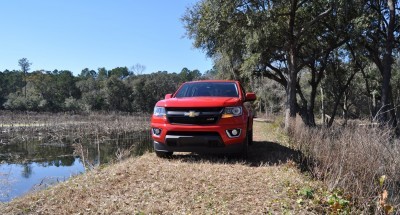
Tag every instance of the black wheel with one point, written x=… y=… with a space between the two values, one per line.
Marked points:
x=162 y=154
x=250 y=138
x=245 y=149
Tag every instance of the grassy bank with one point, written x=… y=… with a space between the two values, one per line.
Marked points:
x=269 y=182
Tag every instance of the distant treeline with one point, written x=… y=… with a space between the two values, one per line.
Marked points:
x=118 y=89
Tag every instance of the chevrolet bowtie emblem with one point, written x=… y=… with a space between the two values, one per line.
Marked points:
x=192 y=114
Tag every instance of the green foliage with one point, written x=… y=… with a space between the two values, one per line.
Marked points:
x=86 y=73
x=117 y=94
x=148 y=89
x=189 y=75
x=18 y=101
x=120 y=72
x=270 y=95
x=54 y=87
x=338 y=203
x=102 y=73
x=93 y=95
x=108 y=90
x=10 y=82
x=306 y=192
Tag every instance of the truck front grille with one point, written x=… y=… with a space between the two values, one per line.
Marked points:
x=194 y=116
x=183 y=138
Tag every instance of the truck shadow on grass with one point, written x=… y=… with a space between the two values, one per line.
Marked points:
x=260 y=153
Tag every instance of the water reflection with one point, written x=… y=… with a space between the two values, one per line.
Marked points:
x=35 y=163
x=18 y=179
x=26 y=170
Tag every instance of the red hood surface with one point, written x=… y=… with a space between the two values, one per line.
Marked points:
x=199 y=102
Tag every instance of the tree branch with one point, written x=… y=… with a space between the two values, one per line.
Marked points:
x=279 y=73
x=316 y=19
x=374 y=56
x=301 y=3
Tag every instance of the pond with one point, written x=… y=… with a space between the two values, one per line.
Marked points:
x=19 y=179
x=32 y=163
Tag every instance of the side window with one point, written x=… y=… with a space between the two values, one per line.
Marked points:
x=243 y=91
x=247 y=105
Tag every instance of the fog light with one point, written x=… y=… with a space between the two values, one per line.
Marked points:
x=156 y=131
x=233 y=133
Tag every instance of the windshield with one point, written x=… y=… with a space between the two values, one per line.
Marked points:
x=213 y=89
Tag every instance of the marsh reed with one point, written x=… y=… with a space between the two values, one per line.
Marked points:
x=89 y=134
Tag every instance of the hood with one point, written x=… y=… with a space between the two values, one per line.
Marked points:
x=199 y=102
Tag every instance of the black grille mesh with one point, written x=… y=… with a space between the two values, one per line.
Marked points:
x=194 y=116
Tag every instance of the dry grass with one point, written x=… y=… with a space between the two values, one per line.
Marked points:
x=269 y=182
x=33 y=122
x=362 y=163
x=57 y=127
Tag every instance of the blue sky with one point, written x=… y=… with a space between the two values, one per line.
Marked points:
x=72 y=35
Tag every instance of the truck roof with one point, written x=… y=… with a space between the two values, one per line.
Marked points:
x=227 y=81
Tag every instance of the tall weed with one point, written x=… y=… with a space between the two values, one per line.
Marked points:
x=361 y=162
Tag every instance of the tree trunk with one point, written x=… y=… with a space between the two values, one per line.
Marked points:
x=311 y=105
x=291 y=101
x=387 y=115
x=337 y=101
x=25 y=83
x=322 y=107
x=374 y=104
x=345 y=110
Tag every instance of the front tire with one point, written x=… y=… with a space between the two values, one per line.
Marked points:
x=250 y=137
x=162 y=154
x=245 y=149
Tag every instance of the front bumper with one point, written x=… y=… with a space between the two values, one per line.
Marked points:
x=199 y=138
x=201 y=131
x=229 y=149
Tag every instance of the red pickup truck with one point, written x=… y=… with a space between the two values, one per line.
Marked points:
x=203 y=117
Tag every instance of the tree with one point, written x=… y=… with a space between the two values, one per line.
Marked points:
x=138 y=69
x=117 y=95
x=149 y=88
x=10 y=82
x=120 y=72
x=102 y=73
x=278 y=39
x=189 y=75
x=93 y=94
x=30 y=102
x=25 y=67
x=379 y=33
x=86 y=73
x=270 y=95
x=210 y=74
x=336 y=84
x=54 y=88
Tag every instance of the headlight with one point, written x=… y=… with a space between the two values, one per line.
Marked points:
x=159 y=111
x=232 y=111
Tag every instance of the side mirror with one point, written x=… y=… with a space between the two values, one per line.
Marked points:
x=250 y=97
x=168 y=96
